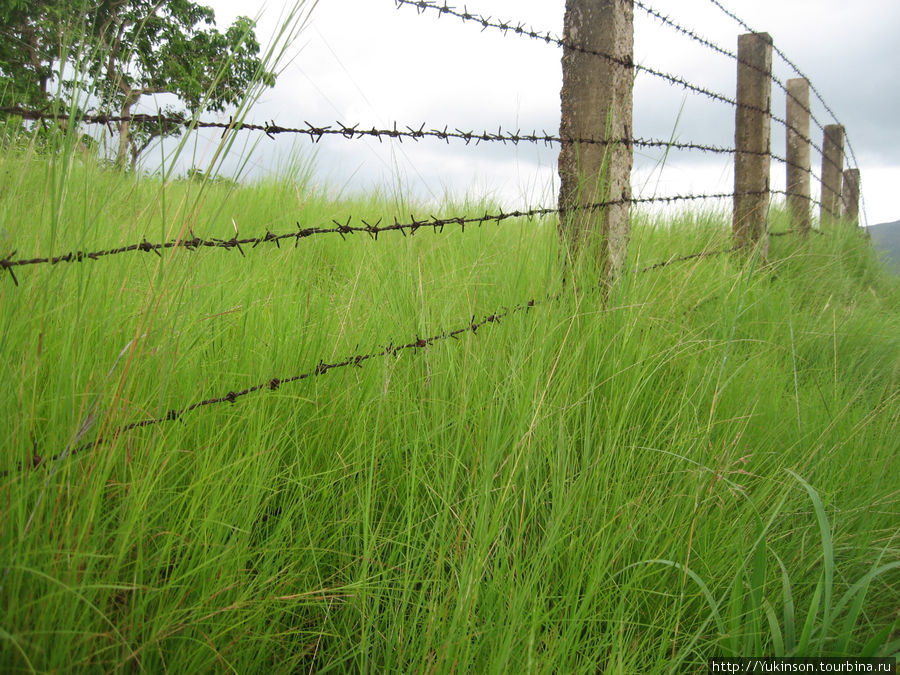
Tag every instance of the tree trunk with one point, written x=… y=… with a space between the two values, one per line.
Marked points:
x=124 y=135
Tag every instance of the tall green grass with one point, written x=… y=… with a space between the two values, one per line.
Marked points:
x=703 y=463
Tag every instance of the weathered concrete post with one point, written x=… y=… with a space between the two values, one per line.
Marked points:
x=753 y=138
x=832 y=173
x=597 y=104
x=798 y=153
x=850 y=197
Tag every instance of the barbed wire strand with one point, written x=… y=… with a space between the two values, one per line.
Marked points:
x=352 y=132
x=414 y=133
x=275 y=383
x=437 y=225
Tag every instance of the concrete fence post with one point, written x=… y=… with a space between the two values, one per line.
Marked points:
x=596 y=101
x=798 y=154
x=850 y=197
x=832 y=173
x=752 y=135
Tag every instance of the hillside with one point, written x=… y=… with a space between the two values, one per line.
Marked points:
x=428 y=453
x=886 y=239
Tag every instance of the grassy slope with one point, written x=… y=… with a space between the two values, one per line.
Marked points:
x=486 y=504
x=886 y=239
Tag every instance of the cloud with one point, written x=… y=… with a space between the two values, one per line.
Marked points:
x=369 y=62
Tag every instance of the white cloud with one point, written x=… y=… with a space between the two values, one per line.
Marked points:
x=367 y=61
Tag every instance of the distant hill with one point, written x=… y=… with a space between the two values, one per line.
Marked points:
x=886 y=238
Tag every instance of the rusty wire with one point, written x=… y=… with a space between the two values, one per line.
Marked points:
x=721 y=251
x=693 y=256
x=354 y=132
x=275 y=383
x=237 y=243
x=323 y=367
x=437 y=225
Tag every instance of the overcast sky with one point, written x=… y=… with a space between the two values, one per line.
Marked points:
x=368 y=62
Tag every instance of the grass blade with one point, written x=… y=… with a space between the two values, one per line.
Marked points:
x=827 y=552
x=774 y=630
x=711 y=601
x=876 y=646
x=806 y=634
x=787 y=599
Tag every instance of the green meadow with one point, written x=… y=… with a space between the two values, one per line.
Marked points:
x=702 y=463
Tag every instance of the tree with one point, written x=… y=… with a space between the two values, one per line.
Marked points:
x=154 y=47
x=128 y=50
x=30 y=45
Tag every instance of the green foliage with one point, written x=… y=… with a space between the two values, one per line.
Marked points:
x=753 y=626
x=31 y=42
x=124 y=50
x=486 y=504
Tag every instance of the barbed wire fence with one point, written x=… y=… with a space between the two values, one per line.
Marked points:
x=413 y=224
